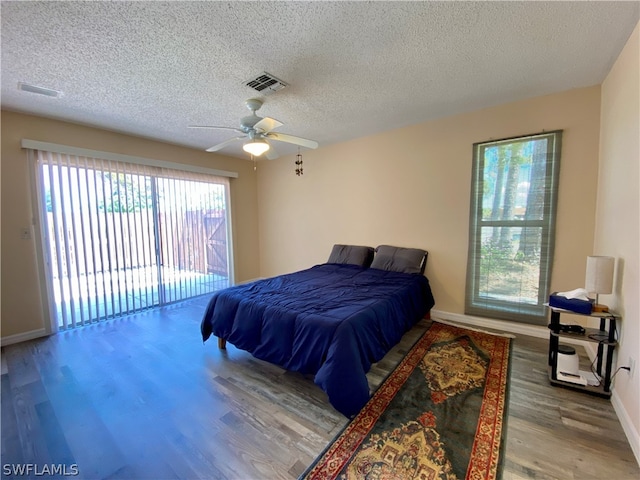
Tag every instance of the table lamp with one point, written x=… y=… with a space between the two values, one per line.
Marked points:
x=599 y=278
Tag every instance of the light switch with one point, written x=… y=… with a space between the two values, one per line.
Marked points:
x=25 y=233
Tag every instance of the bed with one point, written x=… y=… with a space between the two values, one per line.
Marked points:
x=332 y=320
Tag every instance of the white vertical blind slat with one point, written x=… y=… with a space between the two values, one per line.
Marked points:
x=109 y=300
x=150 y=243
x=89 y=248
x=55 y=248
x=78 y=252
x=99 y=279
x=185 y=237
x=121 y=261
x=65 y=238
x=81 y=256
x=170 y=234
x=135 y=260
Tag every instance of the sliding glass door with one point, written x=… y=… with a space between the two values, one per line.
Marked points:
x=119 y=237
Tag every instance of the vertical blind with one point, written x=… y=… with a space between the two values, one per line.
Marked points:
x=120 y=237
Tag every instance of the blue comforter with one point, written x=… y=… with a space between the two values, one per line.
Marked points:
x=331 y=320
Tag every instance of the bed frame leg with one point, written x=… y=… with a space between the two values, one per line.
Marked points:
x=222 y=343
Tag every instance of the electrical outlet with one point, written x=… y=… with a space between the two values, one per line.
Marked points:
x=632 y=366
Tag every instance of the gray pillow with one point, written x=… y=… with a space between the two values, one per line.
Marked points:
x=351 y=254
x=398 y=259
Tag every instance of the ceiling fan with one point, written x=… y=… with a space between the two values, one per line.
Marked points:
x=259 y=133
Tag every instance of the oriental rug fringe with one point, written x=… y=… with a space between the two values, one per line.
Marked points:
x=439 y=415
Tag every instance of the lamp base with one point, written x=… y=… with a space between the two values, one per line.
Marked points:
x=598 y=307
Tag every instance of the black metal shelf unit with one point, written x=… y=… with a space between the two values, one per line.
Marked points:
x=605 y=337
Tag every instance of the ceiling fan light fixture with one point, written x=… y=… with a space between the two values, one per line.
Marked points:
x=256 y=147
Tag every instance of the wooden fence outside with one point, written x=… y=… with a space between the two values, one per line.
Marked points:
x=196 y=241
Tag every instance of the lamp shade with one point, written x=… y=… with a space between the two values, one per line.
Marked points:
x=599 y=278
x=256 y=147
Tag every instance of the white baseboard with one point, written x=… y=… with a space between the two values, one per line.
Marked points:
x=627 y=425
x=503 y=325
x=543 y=332
x=23 y=337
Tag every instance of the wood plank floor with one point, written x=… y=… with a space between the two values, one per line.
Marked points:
x=142 y=398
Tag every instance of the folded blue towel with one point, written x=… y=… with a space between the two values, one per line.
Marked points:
x=573 y=304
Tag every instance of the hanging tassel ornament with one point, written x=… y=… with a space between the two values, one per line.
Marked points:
x=299 y=164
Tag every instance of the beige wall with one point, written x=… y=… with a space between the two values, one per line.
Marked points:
x=617 y=231
x=410 y=187
x=20 y=303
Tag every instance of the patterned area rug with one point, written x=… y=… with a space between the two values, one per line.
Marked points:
x=439 y=415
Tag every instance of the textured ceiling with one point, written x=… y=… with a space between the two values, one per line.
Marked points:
x=353 y=68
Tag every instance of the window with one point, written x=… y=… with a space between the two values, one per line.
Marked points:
x=512 y=227
x=122 y=237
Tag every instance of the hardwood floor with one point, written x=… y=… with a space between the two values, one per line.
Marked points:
x=141 y=397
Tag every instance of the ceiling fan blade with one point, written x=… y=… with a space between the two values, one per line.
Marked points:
x=220 y=146
x=271 y=154
x=267 y=124
x=283 y=137
x=215 y=126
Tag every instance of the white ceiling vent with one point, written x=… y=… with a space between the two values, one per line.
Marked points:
x=49 y=92
x=265 y=83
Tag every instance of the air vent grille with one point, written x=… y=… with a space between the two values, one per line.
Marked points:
x=49 y=92
x=265 y=83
